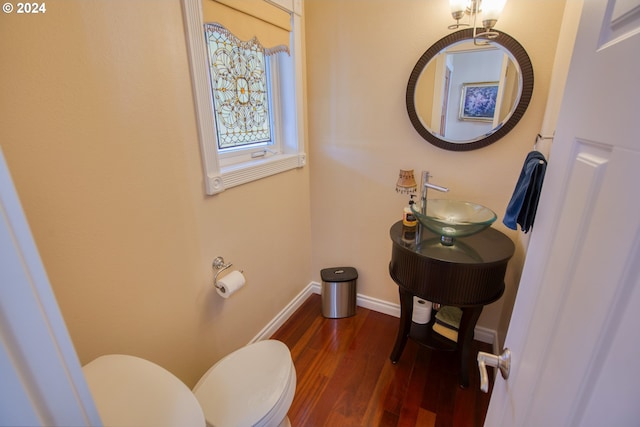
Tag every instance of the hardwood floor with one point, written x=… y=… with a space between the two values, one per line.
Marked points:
x=345 y=377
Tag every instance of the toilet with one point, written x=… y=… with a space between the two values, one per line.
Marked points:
x=253 y=386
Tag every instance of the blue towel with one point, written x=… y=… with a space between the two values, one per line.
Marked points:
x=524 y=201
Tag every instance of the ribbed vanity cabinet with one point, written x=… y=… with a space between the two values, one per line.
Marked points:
x=469 y=275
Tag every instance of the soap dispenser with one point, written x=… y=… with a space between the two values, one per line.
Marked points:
x=408 y=217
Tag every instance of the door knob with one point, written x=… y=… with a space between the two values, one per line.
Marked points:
x=502 y=362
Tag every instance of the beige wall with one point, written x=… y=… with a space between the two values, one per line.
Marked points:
x=98 y=127
x=360 y=54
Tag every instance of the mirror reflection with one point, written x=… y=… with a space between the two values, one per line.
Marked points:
x=465 y=92
x=463 y=96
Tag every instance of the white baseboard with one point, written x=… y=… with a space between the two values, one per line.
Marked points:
x=285 y=314
x=486 y=335
x=480 y=333
x=365 y=301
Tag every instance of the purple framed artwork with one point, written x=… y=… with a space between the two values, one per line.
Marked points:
x=478 y=101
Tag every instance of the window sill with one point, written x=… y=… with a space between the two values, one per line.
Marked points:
x=238 y=174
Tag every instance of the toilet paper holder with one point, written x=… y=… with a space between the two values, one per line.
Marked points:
x=220 y=266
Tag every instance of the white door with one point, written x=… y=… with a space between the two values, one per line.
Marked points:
x=574 y=333
x=575 y=329
x=41 y=382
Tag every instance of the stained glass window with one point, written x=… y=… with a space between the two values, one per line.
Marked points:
x=239 y=82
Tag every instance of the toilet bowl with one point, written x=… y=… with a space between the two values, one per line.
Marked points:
x=253 y=386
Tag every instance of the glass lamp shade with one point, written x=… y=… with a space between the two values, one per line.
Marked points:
x=406 y=182
x=491 y=9
x=458 y=7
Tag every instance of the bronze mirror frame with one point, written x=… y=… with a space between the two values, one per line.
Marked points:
x=518 y=53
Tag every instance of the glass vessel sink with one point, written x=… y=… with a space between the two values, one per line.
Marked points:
x=454 y=218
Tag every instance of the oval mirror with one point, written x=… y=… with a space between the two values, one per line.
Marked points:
x=461 y=96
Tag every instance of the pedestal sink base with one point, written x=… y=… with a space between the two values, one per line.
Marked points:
x=468 y=274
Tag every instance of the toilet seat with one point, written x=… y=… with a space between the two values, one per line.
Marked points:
x=253 y=386
x=130 y=391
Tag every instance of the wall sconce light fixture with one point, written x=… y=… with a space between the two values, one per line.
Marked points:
x=490 y=11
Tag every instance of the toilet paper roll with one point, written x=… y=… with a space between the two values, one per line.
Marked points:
x=230 y=283
x=421 y=311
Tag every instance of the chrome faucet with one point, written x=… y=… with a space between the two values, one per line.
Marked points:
x=423 y=188
x=425 y=184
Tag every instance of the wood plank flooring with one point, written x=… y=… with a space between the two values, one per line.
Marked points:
x=345 y=377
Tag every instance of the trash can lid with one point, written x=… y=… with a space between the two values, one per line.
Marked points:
x=338 y=274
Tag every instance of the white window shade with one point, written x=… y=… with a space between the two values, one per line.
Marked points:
x=250 y=18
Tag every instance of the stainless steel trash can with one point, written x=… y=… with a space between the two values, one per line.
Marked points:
x=338 y=292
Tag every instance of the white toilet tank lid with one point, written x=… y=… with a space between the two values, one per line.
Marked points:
x=130 y=391
x=245 y=385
